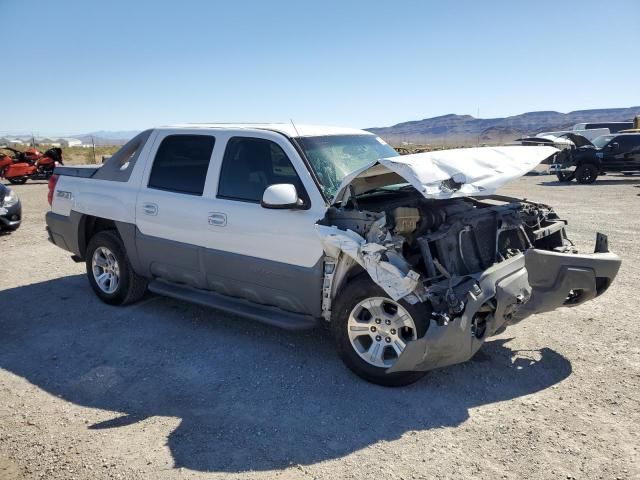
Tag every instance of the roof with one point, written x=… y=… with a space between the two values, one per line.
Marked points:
x=286 y=128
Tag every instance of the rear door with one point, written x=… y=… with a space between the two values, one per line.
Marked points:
x=171 y=209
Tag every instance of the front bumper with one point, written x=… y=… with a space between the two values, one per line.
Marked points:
x=11 y=217
x=534 y=282
x=560 y=167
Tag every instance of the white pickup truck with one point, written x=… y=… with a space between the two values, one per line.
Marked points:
x=413 y=260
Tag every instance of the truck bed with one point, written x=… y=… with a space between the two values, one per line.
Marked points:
x=83 y=171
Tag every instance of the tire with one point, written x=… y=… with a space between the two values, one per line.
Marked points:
x=587 y=173
x=363 y=289
x=125 y=285
x=17 y=181
x=565 y=176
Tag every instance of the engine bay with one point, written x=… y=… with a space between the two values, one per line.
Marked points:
x=438 y=248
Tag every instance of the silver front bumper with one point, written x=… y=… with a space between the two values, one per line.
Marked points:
x=534 y=282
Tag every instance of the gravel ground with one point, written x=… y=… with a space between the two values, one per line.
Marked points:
x=164 y=389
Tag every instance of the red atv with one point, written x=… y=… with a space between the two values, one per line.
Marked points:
x=30 y=164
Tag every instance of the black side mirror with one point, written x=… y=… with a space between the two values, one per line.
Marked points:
x=614 y=145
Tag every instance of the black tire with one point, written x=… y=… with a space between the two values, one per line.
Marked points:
x=131 y=286
x=565 y=176
x=356 y=290
x=17 y=181
x=587 y=173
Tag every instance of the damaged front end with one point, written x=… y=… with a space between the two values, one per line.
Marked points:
x=481 y=263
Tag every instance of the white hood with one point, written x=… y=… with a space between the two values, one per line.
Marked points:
x=444 y=174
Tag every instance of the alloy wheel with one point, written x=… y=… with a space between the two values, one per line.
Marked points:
x=106 y=271
x=379 y=329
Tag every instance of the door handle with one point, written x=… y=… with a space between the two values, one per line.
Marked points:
x=150 y=209
x=217 y=219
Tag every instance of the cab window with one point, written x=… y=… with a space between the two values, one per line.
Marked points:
x=250 y=165
x=181 y=164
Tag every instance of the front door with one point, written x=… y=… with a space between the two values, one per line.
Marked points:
x=268 y=256
x=622 y=154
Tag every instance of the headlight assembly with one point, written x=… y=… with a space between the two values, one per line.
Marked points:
x=10 y=200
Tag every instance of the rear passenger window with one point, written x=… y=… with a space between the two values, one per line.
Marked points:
x=181 y=163
x=250 y=165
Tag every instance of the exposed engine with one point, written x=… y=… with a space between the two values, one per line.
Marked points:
x=448 y=243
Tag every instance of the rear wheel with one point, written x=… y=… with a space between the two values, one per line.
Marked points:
x=371 y=331
x=587 y=173
x=110 y=273
x=565 y=176
x=18 y=181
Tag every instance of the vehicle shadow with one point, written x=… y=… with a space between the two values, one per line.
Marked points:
x=250 y=397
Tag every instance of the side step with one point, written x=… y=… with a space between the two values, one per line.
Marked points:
x=237 y=306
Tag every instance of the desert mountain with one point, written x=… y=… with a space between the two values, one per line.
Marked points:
x=467 y=130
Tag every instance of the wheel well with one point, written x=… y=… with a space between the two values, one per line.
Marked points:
x=354 y=270
x=91 y=225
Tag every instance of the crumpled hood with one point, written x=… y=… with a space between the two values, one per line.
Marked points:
x=445 y=174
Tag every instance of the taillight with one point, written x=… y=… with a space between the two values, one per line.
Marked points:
x=52 y=188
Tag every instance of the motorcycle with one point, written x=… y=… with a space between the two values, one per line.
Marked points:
x=29 y=165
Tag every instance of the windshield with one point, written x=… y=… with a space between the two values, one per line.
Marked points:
x=602 y=140
x=332 y=157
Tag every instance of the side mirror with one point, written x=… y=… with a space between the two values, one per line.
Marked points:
x=614 y=146
x=281 y=196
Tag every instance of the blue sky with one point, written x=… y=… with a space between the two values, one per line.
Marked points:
x=78 y=66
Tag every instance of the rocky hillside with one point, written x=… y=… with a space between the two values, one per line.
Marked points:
x=467 y=130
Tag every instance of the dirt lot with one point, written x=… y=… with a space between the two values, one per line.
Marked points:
x=164 y=389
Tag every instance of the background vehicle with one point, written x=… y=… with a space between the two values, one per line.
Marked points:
x=613 y=127
x=590 y=134
x=293 y=226
x=10 y=209
x=589 y=130
x=30 y=164
x=635 y=128
x=607 y=153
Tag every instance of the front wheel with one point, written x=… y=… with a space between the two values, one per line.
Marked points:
x=565 y=176
x=110 y=273
x=371 y=331
x=587 y=173
x=18 y=181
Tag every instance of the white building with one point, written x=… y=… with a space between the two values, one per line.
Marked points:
x=13 y=142
x=70 y=142
x=51 y=142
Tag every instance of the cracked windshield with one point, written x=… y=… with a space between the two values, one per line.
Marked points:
x=334 y=156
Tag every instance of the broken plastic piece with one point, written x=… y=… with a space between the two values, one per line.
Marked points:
x=391 y=277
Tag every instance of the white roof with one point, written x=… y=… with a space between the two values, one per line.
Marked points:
x=444 y=174
x=285 y=128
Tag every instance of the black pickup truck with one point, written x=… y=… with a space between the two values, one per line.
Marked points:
x=607 y=153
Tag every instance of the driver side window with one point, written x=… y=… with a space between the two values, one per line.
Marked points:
x=250 y=165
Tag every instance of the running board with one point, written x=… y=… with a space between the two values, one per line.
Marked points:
x=236 y=306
